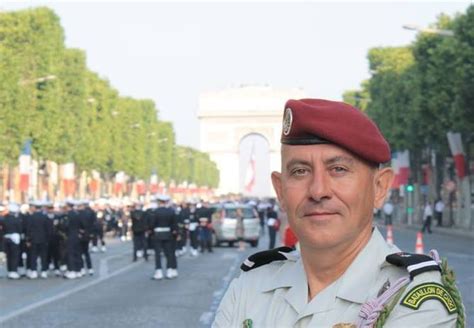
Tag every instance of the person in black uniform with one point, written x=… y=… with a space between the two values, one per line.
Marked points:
x=273 y=224
x=24 y=254
x=205 y=233
x=88 y=221
x=37 y=238
x=191 y=220
x=11 y=229
x=54 y=249
x=183 y=226
x=74 y=229
x=99 y=229
x=139 y=228
x=164 y=226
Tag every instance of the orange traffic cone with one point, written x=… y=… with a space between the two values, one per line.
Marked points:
x=419 y=244
x=389 y=235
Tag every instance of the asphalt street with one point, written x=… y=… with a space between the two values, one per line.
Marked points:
x=122 y=294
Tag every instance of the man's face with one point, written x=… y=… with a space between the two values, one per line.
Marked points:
x=328 y=193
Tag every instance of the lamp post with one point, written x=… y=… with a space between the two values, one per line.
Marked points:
x=417 y=28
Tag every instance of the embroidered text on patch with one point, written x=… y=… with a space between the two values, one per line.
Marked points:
x=419 y=294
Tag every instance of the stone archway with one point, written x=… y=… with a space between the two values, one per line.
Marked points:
x=227 y=117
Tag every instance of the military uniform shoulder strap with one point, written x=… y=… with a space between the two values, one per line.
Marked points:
x=261 y=258
x=414 y=263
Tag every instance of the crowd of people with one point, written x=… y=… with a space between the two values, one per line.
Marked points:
x=41 y=239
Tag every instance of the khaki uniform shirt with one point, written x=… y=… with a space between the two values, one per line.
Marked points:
x=276 y=294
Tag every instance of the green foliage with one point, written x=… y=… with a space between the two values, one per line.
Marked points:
x=418 y=93
x=48 y=95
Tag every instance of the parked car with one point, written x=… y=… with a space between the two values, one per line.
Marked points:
x=224 y=222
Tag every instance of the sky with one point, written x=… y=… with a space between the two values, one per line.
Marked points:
x=173 y=51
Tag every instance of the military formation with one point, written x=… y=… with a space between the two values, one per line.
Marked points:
x=41 y=239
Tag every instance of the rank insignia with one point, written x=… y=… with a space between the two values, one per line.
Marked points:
x=429 y=291
x=248 y=323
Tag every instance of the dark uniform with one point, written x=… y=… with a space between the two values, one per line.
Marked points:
x=139 y=228
x=38 y=231
x=74 y=228
x=88 y=220
x=11 y=228
x=190 y=218
x=204 y=215
x=55 y=240
x=164 y=226
x=273 y=226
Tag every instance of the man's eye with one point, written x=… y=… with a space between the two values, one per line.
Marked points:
x=298 y=172
x=339 y=169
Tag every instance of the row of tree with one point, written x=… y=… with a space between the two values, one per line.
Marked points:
x=49 y=96
x=419 y=92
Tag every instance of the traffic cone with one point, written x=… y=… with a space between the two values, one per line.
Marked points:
x=419 y=244
x=389 y=235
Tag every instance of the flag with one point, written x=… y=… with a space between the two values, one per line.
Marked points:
x=25 y=166
x=141 y=187
x=119 y=182
x=404 y=167
x=94 y=182
x=455 y=144
x=250 y=173
x=154 y=183
x=68 y=178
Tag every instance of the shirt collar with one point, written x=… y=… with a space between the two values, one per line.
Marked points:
x=364 y=270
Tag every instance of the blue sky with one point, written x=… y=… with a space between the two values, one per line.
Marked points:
x=172 y=51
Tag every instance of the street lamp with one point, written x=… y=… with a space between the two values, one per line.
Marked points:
x=417 y=28
x=38 y=80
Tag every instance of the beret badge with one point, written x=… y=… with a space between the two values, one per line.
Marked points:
x=287 y=121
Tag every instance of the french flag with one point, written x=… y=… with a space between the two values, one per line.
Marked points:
x=455 y=144
x=25 y=166
x=401 y=168
x=250 y=173
x=154 y=183
x=68 y=176
x=404 y=166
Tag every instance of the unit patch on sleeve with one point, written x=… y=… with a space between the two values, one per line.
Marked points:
x=429 y=291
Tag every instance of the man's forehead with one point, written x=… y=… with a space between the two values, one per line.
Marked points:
x=288 y=152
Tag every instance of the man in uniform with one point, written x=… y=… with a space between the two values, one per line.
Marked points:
x=345 y=275
x=139 y=227
x=75 y=229
x=11 y=228
x=191 y=220
x=163 y=224
x=88 y=220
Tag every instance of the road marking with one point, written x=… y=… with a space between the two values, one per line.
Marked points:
x=208 y=317
x=68 y=292
x=103 y=267
x=449 y=255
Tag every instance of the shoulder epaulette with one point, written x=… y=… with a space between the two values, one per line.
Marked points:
x=414 y=263
x=261 y=258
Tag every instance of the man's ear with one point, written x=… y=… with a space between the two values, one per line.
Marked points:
x=383 y=181
x=276 y=181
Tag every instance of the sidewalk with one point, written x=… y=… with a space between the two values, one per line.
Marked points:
x=450 y=231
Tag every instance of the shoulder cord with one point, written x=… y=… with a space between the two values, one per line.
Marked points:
x=448 y=279
x=374 y=312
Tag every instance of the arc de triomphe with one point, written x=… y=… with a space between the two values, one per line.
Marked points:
x=239 y=124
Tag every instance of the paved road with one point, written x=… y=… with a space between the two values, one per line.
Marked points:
x=121 y=294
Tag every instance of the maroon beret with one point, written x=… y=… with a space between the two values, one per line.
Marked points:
x=316 y=121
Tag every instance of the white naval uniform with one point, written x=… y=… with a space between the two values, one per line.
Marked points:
x=276 y=294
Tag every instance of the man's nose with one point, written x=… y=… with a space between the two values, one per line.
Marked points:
x=320 y=186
